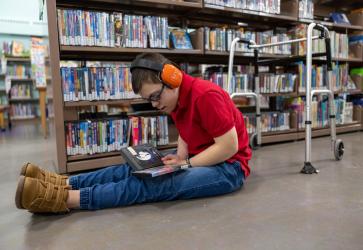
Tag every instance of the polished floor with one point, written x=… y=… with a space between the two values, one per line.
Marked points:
x=278 y=208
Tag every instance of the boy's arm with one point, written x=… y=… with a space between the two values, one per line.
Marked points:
x=182 y=150
x=224 y=147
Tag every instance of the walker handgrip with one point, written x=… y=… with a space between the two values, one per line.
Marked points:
x=321 y=28
x=243 y=40
x=328 y=54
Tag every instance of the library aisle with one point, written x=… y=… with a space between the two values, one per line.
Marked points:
x=278 y=208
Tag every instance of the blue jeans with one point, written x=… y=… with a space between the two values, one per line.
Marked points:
x=115 y=186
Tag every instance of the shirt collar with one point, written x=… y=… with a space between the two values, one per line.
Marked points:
x=184 y=90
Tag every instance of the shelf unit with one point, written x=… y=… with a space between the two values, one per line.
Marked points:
x=15 y=80
x=317 y=132
x=181 y=12
x=4 y=108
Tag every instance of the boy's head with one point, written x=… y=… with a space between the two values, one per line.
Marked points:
x=147 y=83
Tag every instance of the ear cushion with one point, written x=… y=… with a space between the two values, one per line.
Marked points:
x=171 y=75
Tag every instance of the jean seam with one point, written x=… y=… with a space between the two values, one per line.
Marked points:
x=73 y=181
x=199 y=187
x=85 y=197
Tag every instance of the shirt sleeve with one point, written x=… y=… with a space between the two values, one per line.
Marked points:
x=216 y=115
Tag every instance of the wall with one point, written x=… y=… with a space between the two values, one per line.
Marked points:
x=21 y=17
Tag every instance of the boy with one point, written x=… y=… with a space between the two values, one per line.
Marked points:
x=212 y=139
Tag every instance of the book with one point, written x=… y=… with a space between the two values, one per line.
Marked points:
x=17 y=48
x=339 y=18
x=118 y=28
x=306 y=9
x=111 y=81
x=268 y=6
x=145 y=161
x=180 y=39
x=97 y=136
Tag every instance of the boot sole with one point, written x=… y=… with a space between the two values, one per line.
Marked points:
x=19 y=192
x=23 y=169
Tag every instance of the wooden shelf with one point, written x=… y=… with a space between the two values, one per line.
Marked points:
x=316 y=132
x=335 y=93
x=242 y=54
x=349 y=27
x=18 y=59
x=169 y=146
x=291 y=94
x=270 y=133
x=104 y=102
x=22 y=79
x=353 y=92
x=89 y=51
x=23 y=99
x=98 y=155
x=346 y=59
x=350 y=92
x=332 y=25
x=22 y=118
x=116 y=4
x=173 y=3
x=296 y=134
x=281 y=137
x=3 y=107
x=208 y=8
x=87 y=164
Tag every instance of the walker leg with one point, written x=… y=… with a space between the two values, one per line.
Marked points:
x=308 y=167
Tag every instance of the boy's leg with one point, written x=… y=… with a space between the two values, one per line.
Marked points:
x=191 y=183
x=105 y=175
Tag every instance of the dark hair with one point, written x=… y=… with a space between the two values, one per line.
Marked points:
x=140 y=75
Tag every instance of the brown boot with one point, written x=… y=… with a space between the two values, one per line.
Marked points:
x=41 y=197
x=31 y=170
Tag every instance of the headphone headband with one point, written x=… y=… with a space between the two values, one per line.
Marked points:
x=146 y=64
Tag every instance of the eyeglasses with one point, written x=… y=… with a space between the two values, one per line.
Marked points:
x=156 y=96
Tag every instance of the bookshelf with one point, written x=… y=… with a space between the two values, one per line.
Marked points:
x=3 y=100
x=195 y=14
x=23 y=100
x=22 y=97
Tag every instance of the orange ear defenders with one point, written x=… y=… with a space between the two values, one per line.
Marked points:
x=169 y=74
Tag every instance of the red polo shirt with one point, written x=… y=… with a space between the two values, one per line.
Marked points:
x=206 y=111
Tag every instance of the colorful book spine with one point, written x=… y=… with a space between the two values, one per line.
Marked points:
x=320 y=111
x=96 y=83
x=24 y=110
x=91 y=28
x=91 y=137
x=151 y=130
x=220 y=39
x=270 y=121
x=338 y=77
x=267 y=6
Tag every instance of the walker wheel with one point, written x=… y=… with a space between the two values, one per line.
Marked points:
x=253 y=141
x=338 y=149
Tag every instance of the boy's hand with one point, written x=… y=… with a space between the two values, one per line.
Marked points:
x=171 y=159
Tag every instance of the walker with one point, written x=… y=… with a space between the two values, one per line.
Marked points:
x=337 y=145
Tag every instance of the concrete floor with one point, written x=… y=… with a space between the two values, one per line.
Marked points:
x=277 y=209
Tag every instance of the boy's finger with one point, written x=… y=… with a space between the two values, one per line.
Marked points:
x=167 y=162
